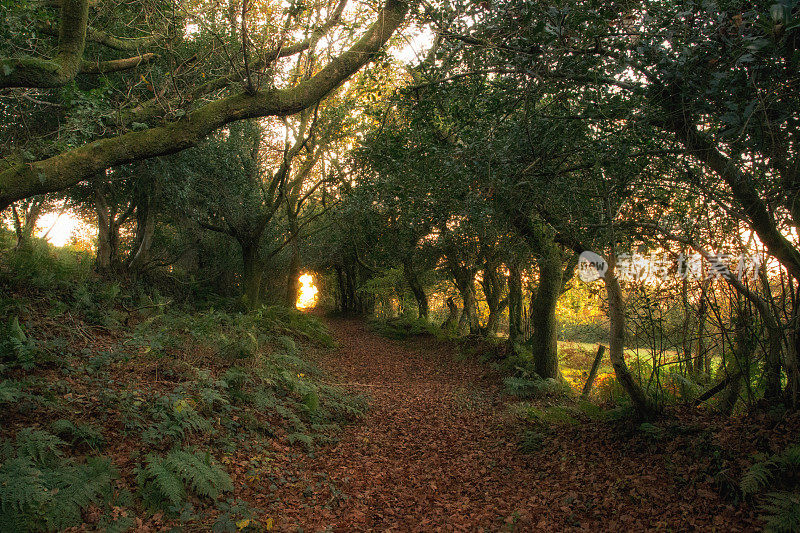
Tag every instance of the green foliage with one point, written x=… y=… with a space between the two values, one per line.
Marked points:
x=165 y=481
x=174 y=418
x=764 y=472
x=80 y=433
x=780 y=508
x=45 y=267
x=531 y=441
x=781 y=512
x=281 y=320
x=557 y=415
x=96 y=302
x=527 y=388
x=10 y=391
x=236 y=515
x=404 y=327
x=40 y=490
x=16 y=347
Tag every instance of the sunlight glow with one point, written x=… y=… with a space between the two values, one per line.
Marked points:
x=308 y=292
x=58 y=228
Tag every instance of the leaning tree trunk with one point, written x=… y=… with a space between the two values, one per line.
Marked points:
x=644 y=407
x=145 y=229
x=544 y=340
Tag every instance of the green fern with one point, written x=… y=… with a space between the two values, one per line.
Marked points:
x=10 y=391
x=760 y=476
x=781 y=508
x=41 y=490
x=39 y=446
x=76 y=487
x=80 y=433
x=781 y=512
x=168 y=479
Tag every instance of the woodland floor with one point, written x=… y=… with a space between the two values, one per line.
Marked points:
x=438 y=452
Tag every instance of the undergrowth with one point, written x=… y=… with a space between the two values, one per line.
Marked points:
x=92 y=371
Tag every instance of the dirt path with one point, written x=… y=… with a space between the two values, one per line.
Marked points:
x=437 y=453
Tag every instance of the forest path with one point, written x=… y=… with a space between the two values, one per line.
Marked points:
x=437 y=452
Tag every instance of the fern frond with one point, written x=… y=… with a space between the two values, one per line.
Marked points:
x=22 y=489
x=168 y=478
x=782 y=512
x=166 y=484
x=39 y=446
x=77 y=487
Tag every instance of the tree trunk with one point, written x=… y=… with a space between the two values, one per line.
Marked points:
x=452 y=315
x=145 y=228
x=340 y=283
x=514 y=303
x=493 y=291
x=699 y=357
x=107 y=258
x=24 y=226
x=544 y=325
x=417 y=290
x=293 y=279
x=253 y=275
x=616 y=351
x=468 y=321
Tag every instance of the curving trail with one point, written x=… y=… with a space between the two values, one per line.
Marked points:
x=437 y=452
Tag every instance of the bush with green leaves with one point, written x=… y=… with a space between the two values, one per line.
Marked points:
x=41 y=490
x=166 y=481
x=531 y=441
x=774 y=481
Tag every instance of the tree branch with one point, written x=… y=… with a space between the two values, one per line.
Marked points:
x=115 y=65
x=38 y=72
x=70 y=167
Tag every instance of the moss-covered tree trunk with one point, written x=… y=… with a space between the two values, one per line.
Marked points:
x=412 y=278
x=252 y=275
x=544 y=324
x=493 y=289
x=514 y=303
x=107 y=259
